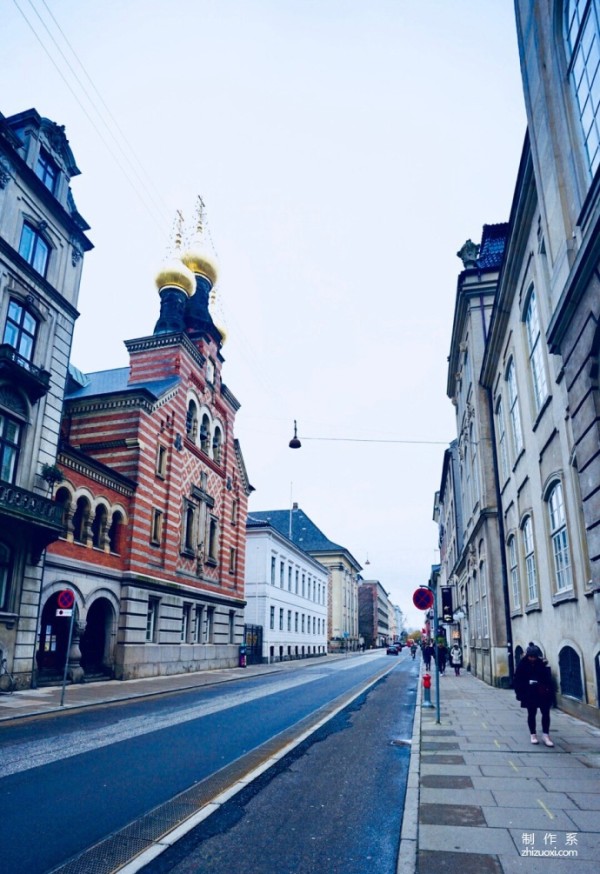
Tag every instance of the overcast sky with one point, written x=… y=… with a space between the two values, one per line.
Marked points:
x=345 y=150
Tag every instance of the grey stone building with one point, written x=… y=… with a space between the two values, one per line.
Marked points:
x=42 y=243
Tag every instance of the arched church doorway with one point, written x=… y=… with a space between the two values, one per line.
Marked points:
x=53 y=641
x=95 y=642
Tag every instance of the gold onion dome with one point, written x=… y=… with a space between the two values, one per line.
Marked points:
x=174 y=273
x=200 y=261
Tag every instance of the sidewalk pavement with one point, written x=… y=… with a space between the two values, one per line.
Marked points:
x=488 y=800
x=35 y=702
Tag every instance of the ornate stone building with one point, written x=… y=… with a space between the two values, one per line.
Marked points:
x=154 y=501
x=473 y=561
x=42 y=242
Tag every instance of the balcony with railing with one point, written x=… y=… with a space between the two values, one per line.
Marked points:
x=30 y=516
x=33 y=380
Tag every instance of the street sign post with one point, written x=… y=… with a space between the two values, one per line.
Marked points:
x=65 y=601
x=424 y=599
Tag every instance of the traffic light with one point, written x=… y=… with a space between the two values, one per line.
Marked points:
x=447 y=611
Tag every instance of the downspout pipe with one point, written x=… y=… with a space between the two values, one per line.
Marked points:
x=503 y=567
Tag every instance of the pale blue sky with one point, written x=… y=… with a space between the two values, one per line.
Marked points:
x=345 y=150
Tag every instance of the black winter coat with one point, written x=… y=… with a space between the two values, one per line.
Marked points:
x=533 y=683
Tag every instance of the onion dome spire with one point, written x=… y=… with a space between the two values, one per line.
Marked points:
x=175 y=283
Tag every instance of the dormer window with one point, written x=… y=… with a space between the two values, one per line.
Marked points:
x=47 y=171
x=34 y=248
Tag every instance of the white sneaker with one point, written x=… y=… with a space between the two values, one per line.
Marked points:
x=547 y=741
x=534 y=739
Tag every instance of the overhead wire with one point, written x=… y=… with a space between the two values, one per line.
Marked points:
x=160 y=222
x=148 y=180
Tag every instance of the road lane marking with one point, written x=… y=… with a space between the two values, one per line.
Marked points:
x=542 y=805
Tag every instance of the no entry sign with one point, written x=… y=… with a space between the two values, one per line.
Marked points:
x=65 y=599
x=423 y=598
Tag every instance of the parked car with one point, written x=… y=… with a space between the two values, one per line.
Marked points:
x=392 y=649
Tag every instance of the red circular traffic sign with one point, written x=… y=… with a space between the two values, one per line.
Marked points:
x=66 y=599
x=423 y=598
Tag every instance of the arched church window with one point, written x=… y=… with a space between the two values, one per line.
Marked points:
x=115 y=532
x=81 y=521
x=205 y=434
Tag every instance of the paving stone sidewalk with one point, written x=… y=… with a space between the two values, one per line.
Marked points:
x=490 y=802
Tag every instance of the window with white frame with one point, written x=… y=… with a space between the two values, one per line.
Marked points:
x=502 y=447
x=273 y=566
x=20 y=330
x=582 y=29
x=281 y=618
x=560 y=539
x=152 y=620
x=530 y=565
x=10 y=439
x=272 y=618
x=515 y=415
x=513 y=561
x=536 y=354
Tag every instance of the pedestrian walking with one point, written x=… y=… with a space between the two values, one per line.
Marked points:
x=413 y=650
x=456 y=658
x=534 y=689
x=442 y=656
x=427 y=656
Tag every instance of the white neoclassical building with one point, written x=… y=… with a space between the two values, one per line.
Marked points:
x=286 y=594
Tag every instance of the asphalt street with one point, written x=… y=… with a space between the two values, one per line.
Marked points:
x=334 y=804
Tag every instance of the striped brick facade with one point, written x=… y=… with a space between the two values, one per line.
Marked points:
x=155 y=503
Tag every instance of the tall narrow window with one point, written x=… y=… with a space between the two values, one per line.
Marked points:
x=273 y=566
x=515 y=415
x=185 y=622
x=10 y=434
x=213 y=539
x=513 y=562
x=233 y=560
x=20 y=330
x=210 y=625
x=161 y=460
x=272 y=618
x=281 y=618
x=34 y=248
x=231 y=626
x=190 y=528
x=582 y=28
x=536 y=355
x=502 y=447
x=157 y=527
x=199 y=631
x=152 y=620
x=560 y=539
x=529 y=548
x=485 y=627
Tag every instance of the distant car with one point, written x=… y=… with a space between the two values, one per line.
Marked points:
x=392 y=650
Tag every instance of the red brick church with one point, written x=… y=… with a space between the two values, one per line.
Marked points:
x=154 y=496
